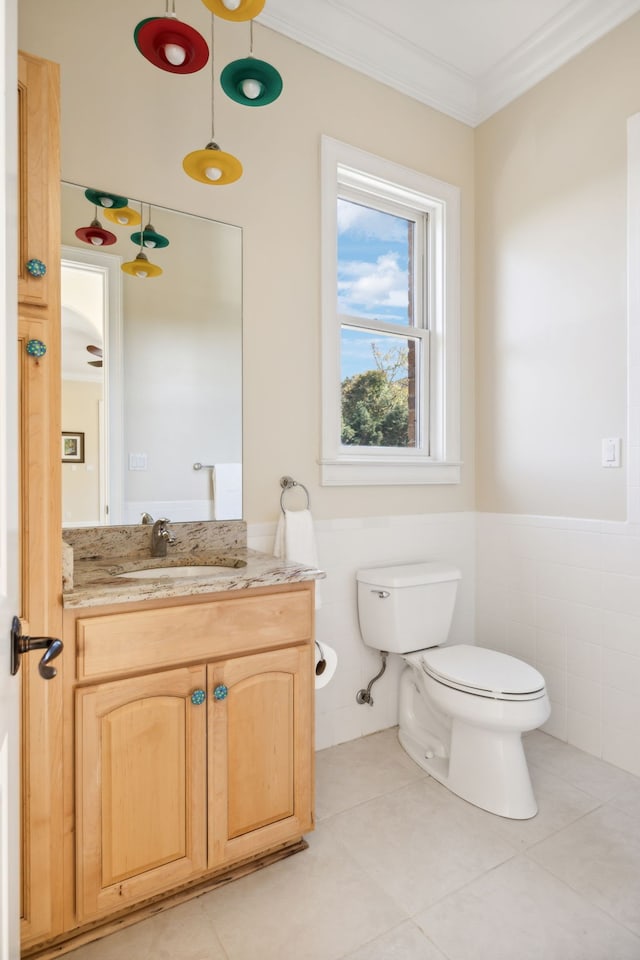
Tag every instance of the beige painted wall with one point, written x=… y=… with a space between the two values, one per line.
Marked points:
x=551 y=287
x=81 y=481
x=126 y=127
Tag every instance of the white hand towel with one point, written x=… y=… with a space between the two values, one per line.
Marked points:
x=296 y=540
x=226 y=480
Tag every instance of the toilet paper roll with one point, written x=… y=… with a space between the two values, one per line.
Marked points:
x=330 y=657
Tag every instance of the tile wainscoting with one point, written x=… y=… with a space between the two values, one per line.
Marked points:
x=564 y=595
x=344 y=546
x=561 y=593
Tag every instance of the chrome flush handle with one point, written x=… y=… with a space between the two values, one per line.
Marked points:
x=381 y=594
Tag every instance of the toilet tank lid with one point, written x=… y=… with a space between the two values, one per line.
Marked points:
x=409 y=574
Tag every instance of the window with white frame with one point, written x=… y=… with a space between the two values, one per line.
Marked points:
x=390 y=250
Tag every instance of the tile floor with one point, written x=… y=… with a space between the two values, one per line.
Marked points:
x=399 y=869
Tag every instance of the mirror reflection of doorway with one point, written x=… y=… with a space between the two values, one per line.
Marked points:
x=91 y=386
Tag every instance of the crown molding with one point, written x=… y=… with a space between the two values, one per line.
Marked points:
x=580 y=24
x=360 y=43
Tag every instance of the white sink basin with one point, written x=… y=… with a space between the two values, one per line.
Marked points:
x=203 y=570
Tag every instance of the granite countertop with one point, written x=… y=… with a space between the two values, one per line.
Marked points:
x=98 y=582
x=100 y=557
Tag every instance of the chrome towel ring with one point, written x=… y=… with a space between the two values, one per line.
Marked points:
x=287 y=483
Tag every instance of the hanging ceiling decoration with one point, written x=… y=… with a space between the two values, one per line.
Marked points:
x=212 y=165
x=123 y=216
x=95 y=351
x=95 y=234
x=149 y=237
x=141 y=267
x=251 y=82
x=176 y=47
x=101 y=198
x=171 y=44
x=235 y=9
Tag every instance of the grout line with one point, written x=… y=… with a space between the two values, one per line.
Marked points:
x=594 y=907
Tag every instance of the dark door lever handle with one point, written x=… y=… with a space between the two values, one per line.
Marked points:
x=19 y=644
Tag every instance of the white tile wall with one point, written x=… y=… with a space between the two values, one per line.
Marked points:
x=343 y=547
x=564 y=594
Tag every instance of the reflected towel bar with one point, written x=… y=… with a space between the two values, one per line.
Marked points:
x=287 y=483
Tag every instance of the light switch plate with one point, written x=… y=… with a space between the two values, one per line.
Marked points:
x=611 y=452
x=137 y=461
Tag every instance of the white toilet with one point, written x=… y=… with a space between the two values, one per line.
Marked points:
x=463 y=709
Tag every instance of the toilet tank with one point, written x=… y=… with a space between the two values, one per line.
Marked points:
x=407 y=606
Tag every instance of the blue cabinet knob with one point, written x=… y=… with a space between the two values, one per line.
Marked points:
x=220 y=692
x=36 y=267
x=36 y=348
x=198 y=697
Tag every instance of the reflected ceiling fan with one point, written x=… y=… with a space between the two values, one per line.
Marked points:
x=95 y=352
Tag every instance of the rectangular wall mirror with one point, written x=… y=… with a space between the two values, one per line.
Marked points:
x=151 y=368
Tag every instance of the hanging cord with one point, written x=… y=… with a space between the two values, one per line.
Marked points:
x=141 y=227
x=251 y=38
x=213 y=80
x=171 y=13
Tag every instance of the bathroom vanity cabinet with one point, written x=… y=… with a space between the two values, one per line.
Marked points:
x=190 y=731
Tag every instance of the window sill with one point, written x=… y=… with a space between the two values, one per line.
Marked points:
x=358 y=471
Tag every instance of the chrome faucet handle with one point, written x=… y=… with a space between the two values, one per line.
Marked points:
x=164 y=531
x=146 y=518
x=169 y=536
x=161 y=536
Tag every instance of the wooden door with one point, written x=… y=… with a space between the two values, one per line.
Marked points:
x=260 y=753
x=140 y=788
x=40 y=510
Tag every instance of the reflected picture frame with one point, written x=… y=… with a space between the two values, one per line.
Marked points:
x=72 y=447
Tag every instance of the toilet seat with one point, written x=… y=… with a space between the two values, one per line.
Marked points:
x=481 y=672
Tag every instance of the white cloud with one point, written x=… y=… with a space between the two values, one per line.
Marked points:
x=370 y=286
x=365 y=223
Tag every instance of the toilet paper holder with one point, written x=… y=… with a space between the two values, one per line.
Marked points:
x=321 y=665
x=326 y=662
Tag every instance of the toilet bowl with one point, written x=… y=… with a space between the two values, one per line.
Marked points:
x=462 y=709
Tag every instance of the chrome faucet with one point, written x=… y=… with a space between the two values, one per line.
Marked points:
x=146 y=518
x=161 y=538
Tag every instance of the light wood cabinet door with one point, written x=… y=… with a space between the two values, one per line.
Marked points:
x=141 y=788
x=260 y=752
x=38 y=177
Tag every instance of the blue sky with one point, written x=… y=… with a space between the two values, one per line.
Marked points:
x=372 y=278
